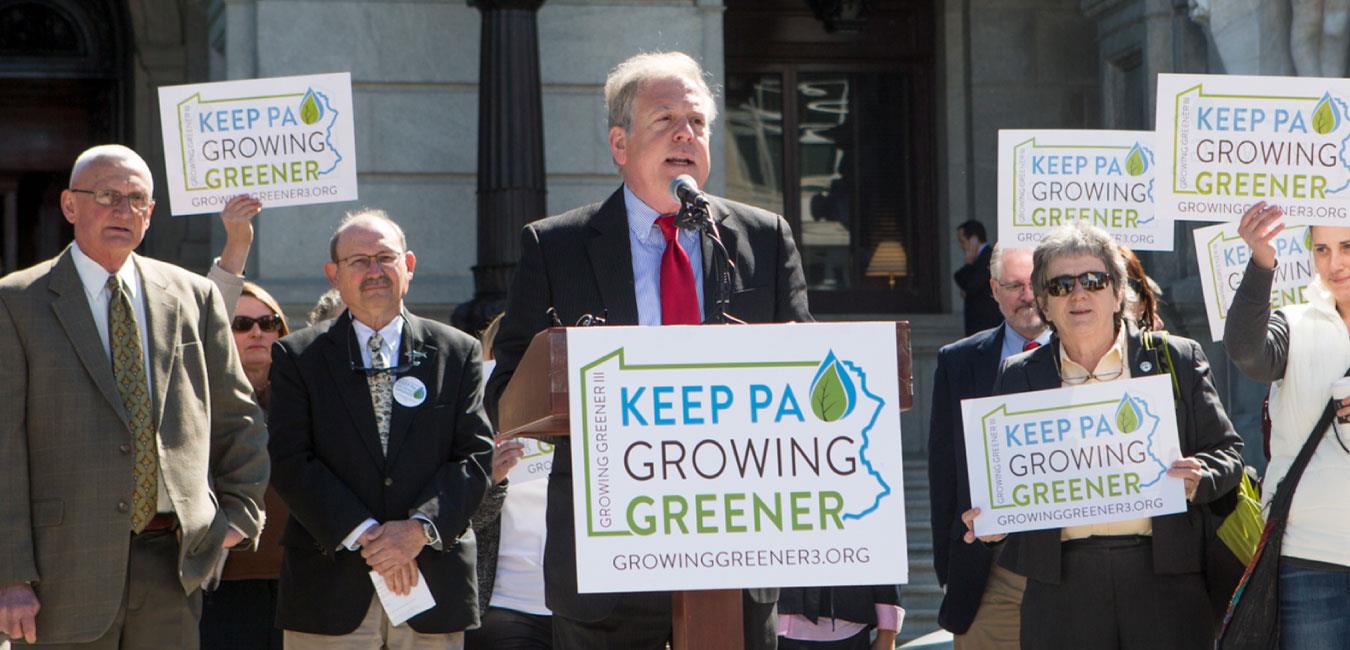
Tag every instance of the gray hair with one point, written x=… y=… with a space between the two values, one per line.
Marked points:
x=111 y=153
x=328 y=306
x=627 y=79
x=996 y=262
x=1072 y=239
x=364 y=215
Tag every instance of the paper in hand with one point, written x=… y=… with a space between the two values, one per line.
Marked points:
x=401 y=608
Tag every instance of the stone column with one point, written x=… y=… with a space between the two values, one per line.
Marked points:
x=511 y=190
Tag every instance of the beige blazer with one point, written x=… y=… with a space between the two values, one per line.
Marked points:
x=65 y=447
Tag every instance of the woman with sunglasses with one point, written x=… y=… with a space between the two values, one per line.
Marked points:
x=240 y=611
x=1138 y=583
x=1301 y=350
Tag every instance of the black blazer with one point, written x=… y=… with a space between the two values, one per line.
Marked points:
x=1205 y=432
x=965 y=369
x=981 y=311
x=579 y=262
x=328 y=467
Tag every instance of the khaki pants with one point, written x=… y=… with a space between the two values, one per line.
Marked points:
x=375 y=633
x=998 y=623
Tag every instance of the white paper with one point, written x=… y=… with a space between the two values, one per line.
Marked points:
x=284 y=140
x=731 y=457
x=1228 y=141
x=1089 y=454
x=401 y=608
x=1222 y=257
x=1047 y=178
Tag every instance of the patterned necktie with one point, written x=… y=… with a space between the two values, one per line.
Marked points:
x=679 y=299
x=381 y=389
x=1030 y=345
x=124 y=338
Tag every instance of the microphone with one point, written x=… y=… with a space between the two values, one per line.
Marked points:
x=685 y=190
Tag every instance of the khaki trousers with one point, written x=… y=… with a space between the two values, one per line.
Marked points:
x=998 y=623
x=375 y=633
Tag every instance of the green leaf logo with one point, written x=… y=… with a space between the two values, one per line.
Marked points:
x=1136 y=162
x=1307 y=238
x=1128 y=416
x=1326 y=116
x=310 y=110
x=420 y=393
x=832 y=391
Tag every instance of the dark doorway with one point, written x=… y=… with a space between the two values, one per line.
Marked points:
x=62 y=90
x=830 y=122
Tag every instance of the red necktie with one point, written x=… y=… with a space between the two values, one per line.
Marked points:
x=679 y=299
x=1030 y=345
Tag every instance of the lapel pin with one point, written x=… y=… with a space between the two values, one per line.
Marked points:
x=1145 y=366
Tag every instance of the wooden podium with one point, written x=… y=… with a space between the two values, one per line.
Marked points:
x=535 y=404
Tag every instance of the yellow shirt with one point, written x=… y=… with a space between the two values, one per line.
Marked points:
x=1111 y=365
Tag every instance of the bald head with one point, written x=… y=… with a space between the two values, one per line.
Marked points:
x=109 y=154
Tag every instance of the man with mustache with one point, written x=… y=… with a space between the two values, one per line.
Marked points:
x=381 y=451
x=624 y=258
x=979 y=606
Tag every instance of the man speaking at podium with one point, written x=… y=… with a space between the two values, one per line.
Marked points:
x=626 y=260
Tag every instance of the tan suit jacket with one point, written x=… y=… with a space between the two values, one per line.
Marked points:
x=65 y=446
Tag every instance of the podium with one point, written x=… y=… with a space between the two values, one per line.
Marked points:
x=535 y=403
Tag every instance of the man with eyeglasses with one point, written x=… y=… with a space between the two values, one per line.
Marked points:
x=131 y=452
x=382 y=452
x=981 y=601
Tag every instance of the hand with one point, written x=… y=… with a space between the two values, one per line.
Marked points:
x=232 y=538
x=1259 y=226
x=1189 y=470
x=1343 y=408
x=237 y=217
x=968 y=517
x=18 y=612
x=508 y=455
x=402 y=578
x=392 y=543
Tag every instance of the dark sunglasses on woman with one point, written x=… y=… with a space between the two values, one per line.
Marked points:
x=268 y=323
x=1062 y=285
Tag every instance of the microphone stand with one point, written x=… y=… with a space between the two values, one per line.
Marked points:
x=693 y=215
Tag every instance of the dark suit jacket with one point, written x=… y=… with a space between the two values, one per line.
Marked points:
x=1205 y=432
x=965 y=369
x=580 y=263
x=330 y=471
x=65 y=445
x=981 y=311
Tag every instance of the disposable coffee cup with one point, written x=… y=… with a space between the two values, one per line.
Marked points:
x=1340 y=389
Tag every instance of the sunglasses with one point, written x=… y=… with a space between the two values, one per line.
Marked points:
x=1062 y=285
x=268 y=323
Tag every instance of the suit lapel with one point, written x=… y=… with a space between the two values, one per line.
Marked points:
x=72 y=310
x=413 y=346
x=711 y=254
x=612 y=261
x=161 y=315
x=340 y=350
x=988 y=361
x=1042 y=372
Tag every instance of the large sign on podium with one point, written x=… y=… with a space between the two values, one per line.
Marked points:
x=736 y=456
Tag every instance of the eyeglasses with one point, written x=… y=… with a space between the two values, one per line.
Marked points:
x=1015 y=287
x=1062 y=285
x=1074 y=379
x=268 y=323
x=112 y=198
x=362 y=263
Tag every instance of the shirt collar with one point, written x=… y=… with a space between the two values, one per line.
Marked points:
x=641 y=217
x=1010 y=334
x=1113 y=360
x=95 y=278
x=390 y=333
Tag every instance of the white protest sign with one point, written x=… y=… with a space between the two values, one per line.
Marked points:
x=1222 y=257
x=715 y=457
x=284 y=140
x=537 y=461
x=1228 y=141
x=1087 y=454
x=1049 y=178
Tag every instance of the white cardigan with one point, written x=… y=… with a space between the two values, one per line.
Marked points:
x=1319 y=354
